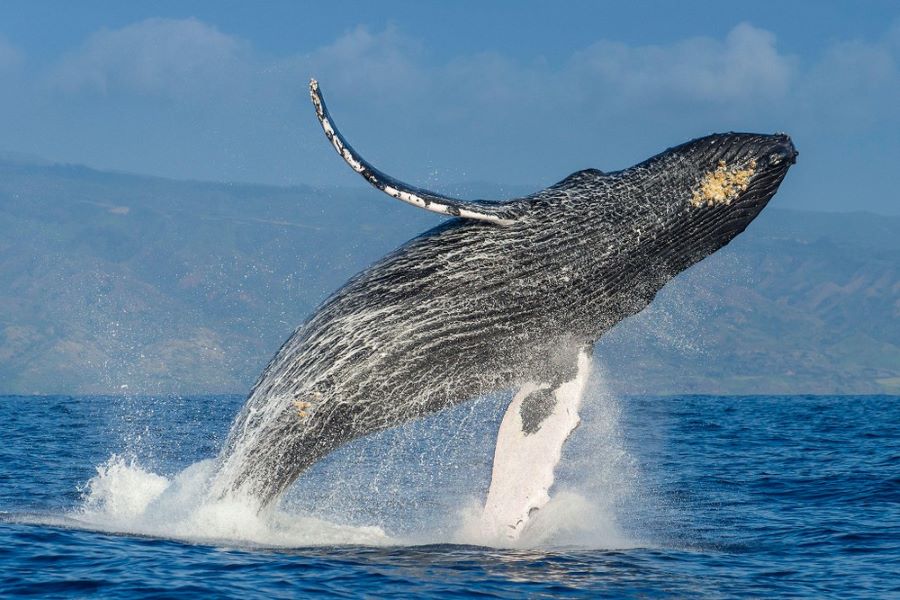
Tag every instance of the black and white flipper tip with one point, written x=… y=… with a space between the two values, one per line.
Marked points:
x=481 y=210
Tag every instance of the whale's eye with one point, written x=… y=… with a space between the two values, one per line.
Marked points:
x=723 y=184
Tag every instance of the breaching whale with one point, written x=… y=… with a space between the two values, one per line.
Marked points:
x=507 y=295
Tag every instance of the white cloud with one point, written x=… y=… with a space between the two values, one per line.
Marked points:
x=368 y=66
x=182 y=57
x=743 y=67
x=376 y=60
x=603 y=80
x=231 y=112
x=164 y=57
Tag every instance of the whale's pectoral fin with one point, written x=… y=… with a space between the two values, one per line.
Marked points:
x=537 y=423
x=482 y=210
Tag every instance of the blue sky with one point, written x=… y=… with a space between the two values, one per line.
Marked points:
x=438 y=93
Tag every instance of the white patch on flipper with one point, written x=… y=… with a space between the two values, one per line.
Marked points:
x=524 y=465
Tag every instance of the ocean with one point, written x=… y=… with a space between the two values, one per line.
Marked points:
x=685 y=496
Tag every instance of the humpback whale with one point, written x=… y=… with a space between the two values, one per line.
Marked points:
x=504 y=296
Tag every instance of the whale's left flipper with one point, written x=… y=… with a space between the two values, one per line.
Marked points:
x=537 y=423
x=500 y=213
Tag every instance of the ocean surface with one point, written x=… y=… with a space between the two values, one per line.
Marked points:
x=686 y=496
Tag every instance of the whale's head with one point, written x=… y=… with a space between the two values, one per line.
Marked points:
x=738 y=170
x=703 y=193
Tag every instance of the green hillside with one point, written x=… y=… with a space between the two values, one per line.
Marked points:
x=113 y=283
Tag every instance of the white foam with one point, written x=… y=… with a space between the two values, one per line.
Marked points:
x=594 y=482
x=568 y=519
x=125 y=498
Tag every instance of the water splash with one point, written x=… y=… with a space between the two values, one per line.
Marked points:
x=422 y=483
x=125 y=498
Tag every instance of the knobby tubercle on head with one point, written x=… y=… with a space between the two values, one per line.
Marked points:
x=723 y=184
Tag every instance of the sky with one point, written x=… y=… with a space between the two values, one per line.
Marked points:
x=441 y=93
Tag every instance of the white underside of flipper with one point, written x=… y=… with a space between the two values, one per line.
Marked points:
x=524 y=464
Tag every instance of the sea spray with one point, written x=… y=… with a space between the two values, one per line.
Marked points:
x=125 y=498
x=121 y=489
x=598 y=465
x=422 y=482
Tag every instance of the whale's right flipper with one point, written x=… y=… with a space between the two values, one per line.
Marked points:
x=537 y=423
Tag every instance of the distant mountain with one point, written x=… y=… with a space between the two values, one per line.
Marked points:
x=113 y=282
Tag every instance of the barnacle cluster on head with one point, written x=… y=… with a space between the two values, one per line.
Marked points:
x=723 y=184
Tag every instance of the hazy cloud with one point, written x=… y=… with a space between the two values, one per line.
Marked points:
x=857 y=83
x=379 y=62
x=163 y=57
x=10 y=56
x=234 y=113
x=746 y=65
x=179 y=57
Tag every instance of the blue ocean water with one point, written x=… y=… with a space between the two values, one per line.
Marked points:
x=688 y=496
